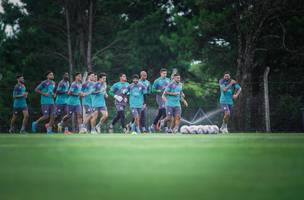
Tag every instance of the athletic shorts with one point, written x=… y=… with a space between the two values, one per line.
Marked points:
x=74 y=109
x=136 y=112
x=87 y=109
x=61 y=109
x=48 y=109
x=226 y=108
x=100 y=109
x=16 y=111
x=119 y=107
x=173 y=111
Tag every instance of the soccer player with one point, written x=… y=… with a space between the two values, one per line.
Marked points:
x=62 y=96
x=136 y=91
x=173 y=95
x=230 y=90
x=118 y=91
x=158 y=88
x=143 y=80
x=98 y=101
x=46 y=90
x=87 y=89
x=73 y=103
x=20 y=105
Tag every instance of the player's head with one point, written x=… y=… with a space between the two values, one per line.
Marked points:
x=77 y=76
x=143 y=75
x=66 y=76
x=91 y=76
x=95 y=77
x=163 y=72
x=135 y=78
x=49 y=75
x=122 y=77
x=102 y=77
x=20 y=78
x=176 y=77
x=227 y=76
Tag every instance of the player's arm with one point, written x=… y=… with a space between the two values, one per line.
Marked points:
x=18 y=94
x=238 y=91
x=232 y=82
x=39 y=88
x=183 y=99
x=112 y=90
x=155 y=86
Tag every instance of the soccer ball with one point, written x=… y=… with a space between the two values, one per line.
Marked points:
x=184 y=129
x=192 y=129
x=215 y=129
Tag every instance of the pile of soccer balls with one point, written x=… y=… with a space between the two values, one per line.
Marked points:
x=199 y=129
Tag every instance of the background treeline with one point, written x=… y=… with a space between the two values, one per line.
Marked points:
x=201 y=38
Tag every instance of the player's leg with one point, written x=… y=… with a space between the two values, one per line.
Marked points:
x=117 y=117
x=122 y=121
x=45 y=115
x=13 y=121
x=49 y=126
x=143 y=120
x=227 y=111
x=79 y=119
x=103 y=119
x=69 y=114
x=160 y=115
x=87 y=118
x=170 y=114
x=61 y=111
x=135 y=128
x=25 y=120
x=94 y=116
x=177 y=118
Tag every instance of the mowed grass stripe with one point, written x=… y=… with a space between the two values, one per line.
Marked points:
x=114 y=166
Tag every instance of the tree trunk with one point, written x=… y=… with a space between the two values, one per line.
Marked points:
x=68 y=27
x=244 y=77
x=89 y=49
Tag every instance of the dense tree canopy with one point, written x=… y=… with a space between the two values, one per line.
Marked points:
x=201 y=38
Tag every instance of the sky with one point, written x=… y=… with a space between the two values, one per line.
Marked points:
x=13 y=1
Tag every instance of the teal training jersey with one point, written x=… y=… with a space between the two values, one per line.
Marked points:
x=62 y=92
x=120 y=89
x=98 y=95
x=74 y=98
x=147 y=85
x=47 y=87
x=20 y=101
x=160 y=84
x=87 y=88
x=136 y=93
x=174 y=87
x=227 y=97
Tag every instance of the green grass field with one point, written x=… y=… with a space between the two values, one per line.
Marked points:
x=169 y=167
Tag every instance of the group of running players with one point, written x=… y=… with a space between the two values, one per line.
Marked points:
x=86 y=100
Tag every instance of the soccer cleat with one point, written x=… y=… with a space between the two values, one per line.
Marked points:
x=59 y=127
x=23 y=132
x=125 y=131
x=67 y=132
x=175 y=130
x=224 y=130
x=49 y=130
x=111 y=128
x=162 y=124
x=83 y=130
x=144 y=130
x=152 y=128
x=34 y=127
x=93 y=132
x=169 y=130
x=98 y=128
x=11 y=131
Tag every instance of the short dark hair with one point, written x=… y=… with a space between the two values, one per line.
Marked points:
x=163 y=70
x=90 y=73
x=135 y=76
x=48 y=72
x=226 y=72
x=76 y=74
x=121 y=74
x=19 y=76
x=176 y=74
x=102 y=75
